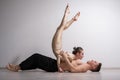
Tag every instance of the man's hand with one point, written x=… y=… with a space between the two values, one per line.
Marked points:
x=60 y=69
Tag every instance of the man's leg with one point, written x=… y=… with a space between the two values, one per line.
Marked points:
x=28 y=64
x=35 y=61
x=13 y=67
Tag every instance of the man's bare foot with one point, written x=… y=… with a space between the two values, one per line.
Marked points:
x=75 y=18
x=12 y=67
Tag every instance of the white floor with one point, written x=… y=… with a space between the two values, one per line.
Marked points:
x=105 y=74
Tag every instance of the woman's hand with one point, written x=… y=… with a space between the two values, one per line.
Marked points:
x=63 y=54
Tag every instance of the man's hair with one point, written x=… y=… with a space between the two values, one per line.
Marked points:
x=77 y=49
x=97 y=69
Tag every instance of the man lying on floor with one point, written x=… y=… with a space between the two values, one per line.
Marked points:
x=50 y=65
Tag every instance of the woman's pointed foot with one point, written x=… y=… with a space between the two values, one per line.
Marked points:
x=75 y=18
x=67 y=10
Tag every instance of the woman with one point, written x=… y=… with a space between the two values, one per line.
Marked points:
x=57 y=39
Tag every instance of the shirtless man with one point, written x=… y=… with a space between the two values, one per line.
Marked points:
x=50 y=65
x=57 y=40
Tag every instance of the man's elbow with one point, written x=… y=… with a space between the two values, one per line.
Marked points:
x=78 y=71
x=73 y=70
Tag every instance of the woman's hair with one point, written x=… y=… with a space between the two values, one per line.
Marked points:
x=77 y=49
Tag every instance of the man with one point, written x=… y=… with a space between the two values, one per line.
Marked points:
x=50 y=65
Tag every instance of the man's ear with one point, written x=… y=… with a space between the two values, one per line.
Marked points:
x=93 y=66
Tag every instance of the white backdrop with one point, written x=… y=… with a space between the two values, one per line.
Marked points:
x=27 y=27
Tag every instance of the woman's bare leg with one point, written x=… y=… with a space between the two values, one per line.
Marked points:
x=75 y=18
x=57 y=39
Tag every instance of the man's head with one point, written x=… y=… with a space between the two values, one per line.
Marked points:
x=78 y=52
x=95 y=66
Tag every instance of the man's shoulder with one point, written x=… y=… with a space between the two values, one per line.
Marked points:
x=82 y=68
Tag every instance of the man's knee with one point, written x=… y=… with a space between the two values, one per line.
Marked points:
x=36 y=54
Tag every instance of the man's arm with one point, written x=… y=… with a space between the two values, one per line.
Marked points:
x=58 y=64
